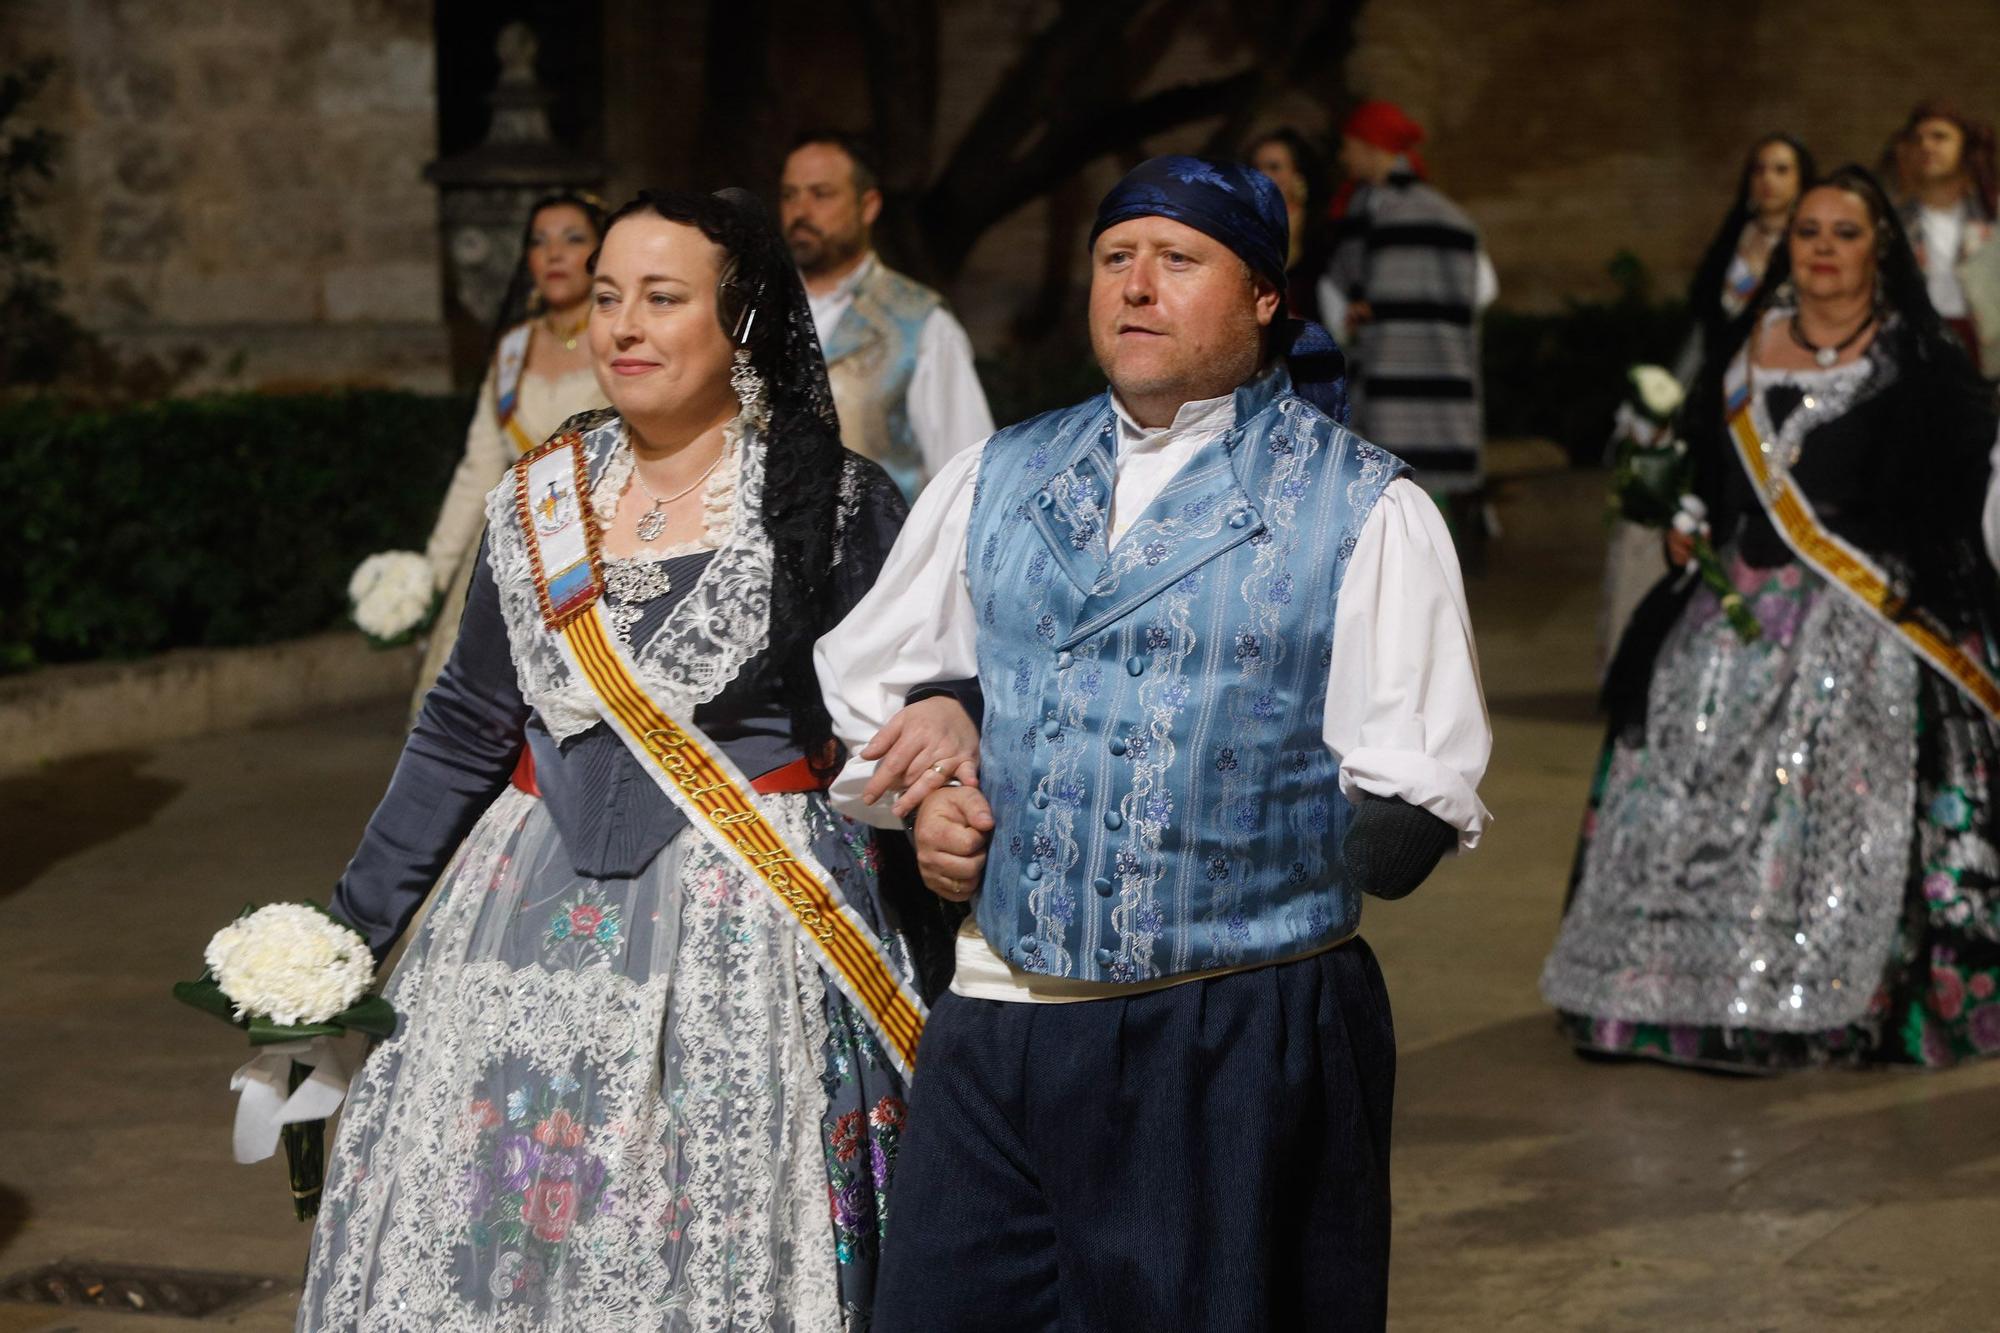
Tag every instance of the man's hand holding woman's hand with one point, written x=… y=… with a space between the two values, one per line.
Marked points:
x=925 y=746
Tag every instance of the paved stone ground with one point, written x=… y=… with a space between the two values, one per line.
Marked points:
x=1534 y=1191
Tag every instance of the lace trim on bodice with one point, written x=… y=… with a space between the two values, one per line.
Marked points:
x=705 y=641
x=1829 y=393
x=718 y=499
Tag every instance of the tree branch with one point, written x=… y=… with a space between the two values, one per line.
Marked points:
x=961 y=211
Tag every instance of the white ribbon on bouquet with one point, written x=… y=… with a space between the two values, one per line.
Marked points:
x=268 y=1102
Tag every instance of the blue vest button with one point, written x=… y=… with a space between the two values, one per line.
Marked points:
x=1117 y=746
x=1113 y=820
x=1044 y=499
x=1240 y=519
x=1040 y=800
x=1030 y=945
x=1102 y=885
x=1034 y=870
x=1052 y=729
x=1063 y=660
x=1135 y=665
x=1104 y=957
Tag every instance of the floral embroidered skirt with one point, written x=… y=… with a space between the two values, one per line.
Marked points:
x=1795 y=864
x=612 y=1104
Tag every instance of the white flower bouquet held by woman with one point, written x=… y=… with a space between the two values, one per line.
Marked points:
x=392 y=597
x=1651 y=477
x=294 y=979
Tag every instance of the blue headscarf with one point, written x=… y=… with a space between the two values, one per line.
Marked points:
x=1240 y=207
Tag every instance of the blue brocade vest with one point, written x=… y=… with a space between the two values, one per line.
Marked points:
x=871 y=356
x=1164 y=799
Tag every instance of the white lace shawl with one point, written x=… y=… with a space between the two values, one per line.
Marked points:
x=723 y=622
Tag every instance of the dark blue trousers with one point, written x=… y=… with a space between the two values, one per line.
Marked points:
x=1211 y=1157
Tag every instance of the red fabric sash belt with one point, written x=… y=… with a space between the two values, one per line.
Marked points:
x=796 y=776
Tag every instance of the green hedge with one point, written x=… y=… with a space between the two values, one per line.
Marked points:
x=207 y=522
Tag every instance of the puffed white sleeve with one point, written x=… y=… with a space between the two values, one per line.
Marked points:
x=462 y=517
x=1332 y=306
x=947 y=404
x=916 y=626
x=1404 y=710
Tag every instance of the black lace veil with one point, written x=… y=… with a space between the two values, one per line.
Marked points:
x=811 y=483
x=521 y=302
x=1704 y=298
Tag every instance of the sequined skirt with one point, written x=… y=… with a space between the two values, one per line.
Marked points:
x=1794 y=863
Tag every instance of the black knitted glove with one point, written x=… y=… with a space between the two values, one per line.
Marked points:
x=1392 y=846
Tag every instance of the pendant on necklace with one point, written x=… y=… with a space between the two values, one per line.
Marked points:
x=653 y=523
x=1826 y=356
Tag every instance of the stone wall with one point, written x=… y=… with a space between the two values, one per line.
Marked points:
x=1574 y=130
x=245 y=178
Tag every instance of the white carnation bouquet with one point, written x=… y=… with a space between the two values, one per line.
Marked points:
x=1652 y=477
x=392 y=597
x=294 y=978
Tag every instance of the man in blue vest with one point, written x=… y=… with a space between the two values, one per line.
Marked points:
x=900 y=365
x=1229 y=687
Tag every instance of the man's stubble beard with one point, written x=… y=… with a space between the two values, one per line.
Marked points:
x=1199 y=378
x=828 y=252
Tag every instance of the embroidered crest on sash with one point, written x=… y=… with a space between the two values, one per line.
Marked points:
x=552 y=504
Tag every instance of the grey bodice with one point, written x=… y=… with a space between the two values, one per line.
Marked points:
x=611 y=815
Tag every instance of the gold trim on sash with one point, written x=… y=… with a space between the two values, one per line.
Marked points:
x=707 y=787
x=715 y=797
x=1850 y=569
x=523 y=442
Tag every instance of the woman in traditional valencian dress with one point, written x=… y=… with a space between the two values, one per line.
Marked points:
x=1776 y=171
x=656 y=1024
x=1790 y=858
x=539 y=378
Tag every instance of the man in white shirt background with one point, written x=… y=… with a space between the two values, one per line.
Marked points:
x=900 y=364
x=1945 y=165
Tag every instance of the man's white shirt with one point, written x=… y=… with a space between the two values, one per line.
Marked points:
x=1404 y=710
x=947 y=405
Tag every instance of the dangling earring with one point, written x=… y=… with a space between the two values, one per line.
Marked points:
x=1785 y=294
x=748 y=386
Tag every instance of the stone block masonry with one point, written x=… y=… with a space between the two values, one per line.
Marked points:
x=247 y=179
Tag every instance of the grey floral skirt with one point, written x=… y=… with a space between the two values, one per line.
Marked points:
x=612 y=1104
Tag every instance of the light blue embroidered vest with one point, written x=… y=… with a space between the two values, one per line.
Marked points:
x=1152 y=746
x=871 y=356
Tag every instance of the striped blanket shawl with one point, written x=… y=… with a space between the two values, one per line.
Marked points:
x=1413 y=256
